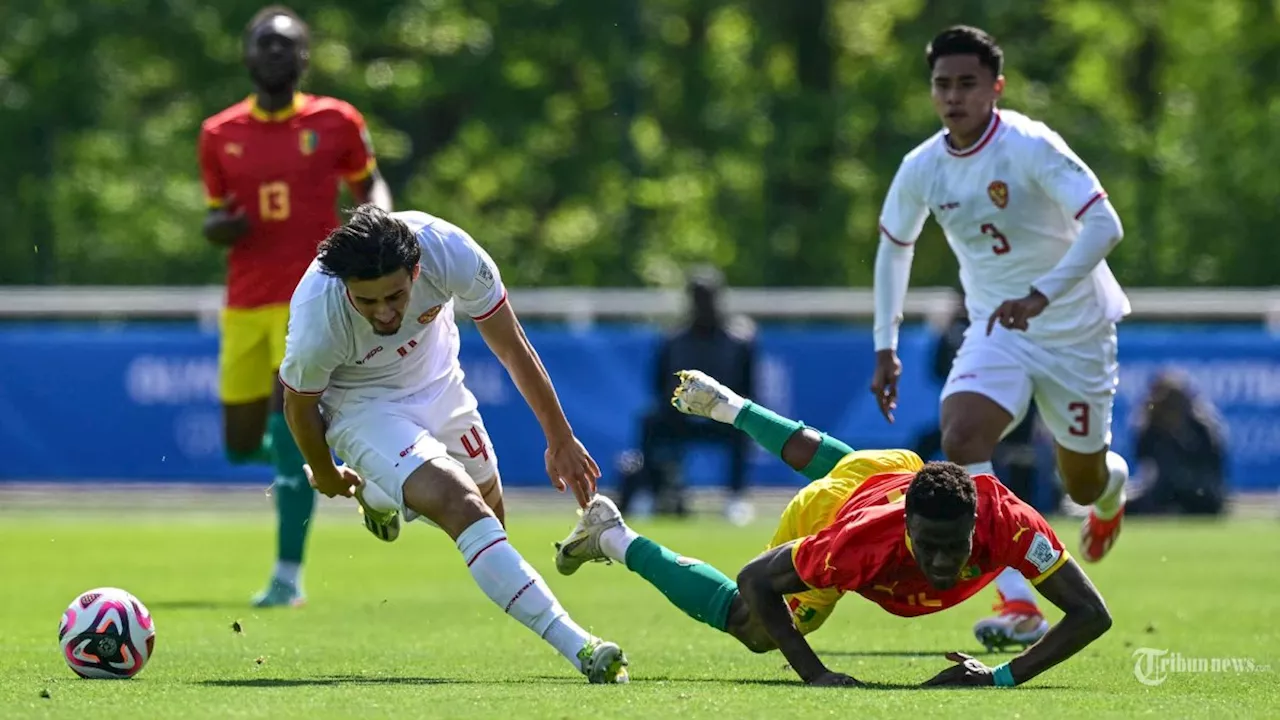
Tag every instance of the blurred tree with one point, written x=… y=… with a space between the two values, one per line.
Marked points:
x=613 y=143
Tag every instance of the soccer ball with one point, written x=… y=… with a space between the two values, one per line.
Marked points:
x=106 y=634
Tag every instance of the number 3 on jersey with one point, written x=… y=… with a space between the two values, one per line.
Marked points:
x=273 y=201
x=1002 y=243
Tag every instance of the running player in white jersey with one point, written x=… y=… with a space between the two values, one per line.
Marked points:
x=371 y=373
x=1031 y=227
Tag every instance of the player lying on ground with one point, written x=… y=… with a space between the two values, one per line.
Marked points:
x=911 y=537
x=371 y=372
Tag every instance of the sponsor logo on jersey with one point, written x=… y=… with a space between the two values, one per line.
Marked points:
x=429 y=315
x=999 y=193
x=307 y=141
x=233 y=149
x=368 y=355
x=485 y=275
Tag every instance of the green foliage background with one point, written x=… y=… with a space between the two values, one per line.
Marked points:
x=612 y=142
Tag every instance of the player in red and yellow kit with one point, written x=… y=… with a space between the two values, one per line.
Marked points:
x=271 y=166
x=912 y=537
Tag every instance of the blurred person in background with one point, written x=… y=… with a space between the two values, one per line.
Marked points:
x=722 y=347
x=1180 y=446
x=271 y=166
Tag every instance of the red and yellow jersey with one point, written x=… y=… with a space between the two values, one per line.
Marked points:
x=865 y=548
x=283 y=170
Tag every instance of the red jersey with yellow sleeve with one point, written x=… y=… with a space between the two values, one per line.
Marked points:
x=865 y=548
x=283 y=170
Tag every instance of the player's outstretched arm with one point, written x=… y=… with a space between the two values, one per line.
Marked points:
x=1086 y=619
x=302 y=413
x=568 y=462
x=763 y=583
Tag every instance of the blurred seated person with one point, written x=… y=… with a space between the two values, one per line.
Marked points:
x=722 y=348
x=1181 y=451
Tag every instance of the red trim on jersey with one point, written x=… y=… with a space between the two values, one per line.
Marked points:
x=296 y=391
x=493 y=309
x=1096 y=197
x=895 y=240
x=982 y=142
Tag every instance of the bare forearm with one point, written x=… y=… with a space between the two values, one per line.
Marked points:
x=307 y=428
x=763 y=584
x=534 y=383
x=1072 y=634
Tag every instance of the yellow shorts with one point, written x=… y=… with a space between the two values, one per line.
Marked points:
x=251 y=351
x=813 y=509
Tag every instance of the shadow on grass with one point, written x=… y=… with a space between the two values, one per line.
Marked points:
x=339 y=680
x=787 y=682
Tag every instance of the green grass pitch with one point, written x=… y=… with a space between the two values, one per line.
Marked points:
x=400 y=630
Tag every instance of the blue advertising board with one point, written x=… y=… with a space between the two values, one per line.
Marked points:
x=138 y=402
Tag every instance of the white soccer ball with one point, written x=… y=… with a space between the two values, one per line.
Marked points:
x=106 y=634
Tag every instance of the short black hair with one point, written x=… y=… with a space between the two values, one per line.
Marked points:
x=966 y=40
x=271 y=11
x=942 y=491
x=370 y=245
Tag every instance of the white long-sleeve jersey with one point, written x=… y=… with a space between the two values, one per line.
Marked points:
x=1019 y=210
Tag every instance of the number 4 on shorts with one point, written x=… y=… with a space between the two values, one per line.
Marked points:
x=474 y=445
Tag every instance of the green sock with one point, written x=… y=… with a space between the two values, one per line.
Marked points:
x=260 y=456
x=772 y=431
x=294 y=497
x=703 y=592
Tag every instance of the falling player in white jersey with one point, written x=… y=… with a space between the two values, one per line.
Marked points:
x=371 y=372
x=1031 y=227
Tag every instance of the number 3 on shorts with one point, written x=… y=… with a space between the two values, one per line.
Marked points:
x=1079 y=412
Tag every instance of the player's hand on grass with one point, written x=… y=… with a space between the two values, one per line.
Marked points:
x=340 y=481
x=967 y=672
x=570 y=465
x=1016 y=314
x=834 y=679
x=884 y=383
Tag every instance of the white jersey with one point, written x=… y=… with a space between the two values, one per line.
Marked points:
x=1010 y=207
x=332 y=350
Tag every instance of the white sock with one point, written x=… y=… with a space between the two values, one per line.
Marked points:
x=288 y=572
x=1013 y=586
x=516 y=587
x=727 y=411
x=1108 y=506
x=982 y=468
x=615 y=542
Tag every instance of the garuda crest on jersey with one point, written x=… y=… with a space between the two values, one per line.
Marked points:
x=429 y=315
x=999 y=193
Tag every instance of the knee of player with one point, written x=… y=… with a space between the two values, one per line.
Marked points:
x=441 y=490
x=963 y=442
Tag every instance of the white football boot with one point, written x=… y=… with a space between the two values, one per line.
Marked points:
x=583 y=543
x=700 y=394
x=603 y=663
x=1017 y=623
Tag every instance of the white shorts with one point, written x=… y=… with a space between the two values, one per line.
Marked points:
x=1074 y=386
x=386 y=440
